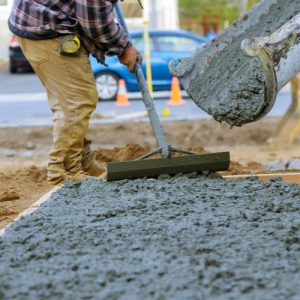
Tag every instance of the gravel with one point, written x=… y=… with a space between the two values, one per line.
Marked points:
x=183 y=237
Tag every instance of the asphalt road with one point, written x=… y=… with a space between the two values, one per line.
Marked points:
x=23 y=102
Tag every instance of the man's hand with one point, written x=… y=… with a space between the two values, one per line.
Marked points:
x=129 y=57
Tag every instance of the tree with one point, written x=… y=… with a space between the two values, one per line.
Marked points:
x=226 y=11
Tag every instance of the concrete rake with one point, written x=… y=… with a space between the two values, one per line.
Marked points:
x=143 y=167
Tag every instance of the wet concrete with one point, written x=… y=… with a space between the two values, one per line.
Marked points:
x=184 y=237
x=221 y=79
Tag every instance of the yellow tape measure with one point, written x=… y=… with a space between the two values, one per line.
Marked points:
x=69 y=44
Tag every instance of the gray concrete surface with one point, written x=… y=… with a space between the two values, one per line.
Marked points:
x=23 y=102
x=283 y=165
x=185 y=237
x=20 y=83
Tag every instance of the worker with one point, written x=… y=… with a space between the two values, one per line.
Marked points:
x=57 y=38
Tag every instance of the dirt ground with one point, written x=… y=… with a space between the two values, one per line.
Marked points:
x=23 y=152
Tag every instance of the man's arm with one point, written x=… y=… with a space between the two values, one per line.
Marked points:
x=96 y=19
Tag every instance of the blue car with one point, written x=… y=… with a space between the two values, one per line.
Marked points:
x=164 y=46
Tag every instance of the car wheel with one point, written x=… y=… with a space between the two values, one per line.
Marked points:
x=107 y=85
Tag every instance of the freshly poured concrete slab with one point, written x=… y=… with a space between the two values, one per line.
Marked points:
x=183 y=237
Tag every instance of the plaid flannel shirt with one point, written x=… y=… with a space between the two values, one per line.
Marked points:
x=92 y=20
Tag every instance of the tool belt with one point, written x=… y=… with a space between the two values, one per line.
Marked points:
x=69 y=45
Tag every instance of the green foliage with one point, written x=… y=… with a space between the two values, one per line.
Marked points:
x=193 y=11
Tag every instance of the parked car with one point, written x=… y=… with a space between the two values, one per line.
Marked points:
x=17 y=60
x=164 y=46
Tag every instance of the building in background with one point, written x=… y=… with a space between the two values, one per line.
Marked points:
x=165 y=14
x=160 y=14
x=5 y=7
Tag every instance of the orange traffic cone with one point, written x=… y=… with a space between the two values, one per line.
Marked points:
x=122 y=97
x=176 y=98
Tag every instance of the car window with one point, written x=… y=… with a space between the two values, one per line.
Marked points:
x=138 y=42
x=176 y=44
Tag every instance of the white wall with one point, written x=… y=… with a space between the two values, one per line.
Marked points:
x=4 y=31
x=163 y=14
x=5 y=10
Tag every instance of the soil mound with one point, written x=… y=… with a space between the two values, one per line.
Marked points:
x=249 y=168
x=129 y=152
x=19 y=188
x=9 y=195
x=132 y=151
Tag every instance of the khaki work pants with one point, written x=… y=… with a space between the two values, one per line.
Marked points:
x=72 y=96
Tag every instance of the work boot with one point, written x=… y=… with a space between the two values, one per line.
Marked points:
x=103 y=176
x=89 y=163
x=93 y=168
x=56 y=173
x=79 y=176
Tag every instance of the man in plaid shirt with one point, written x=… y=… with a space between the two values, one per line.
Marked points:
x=39 y=26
